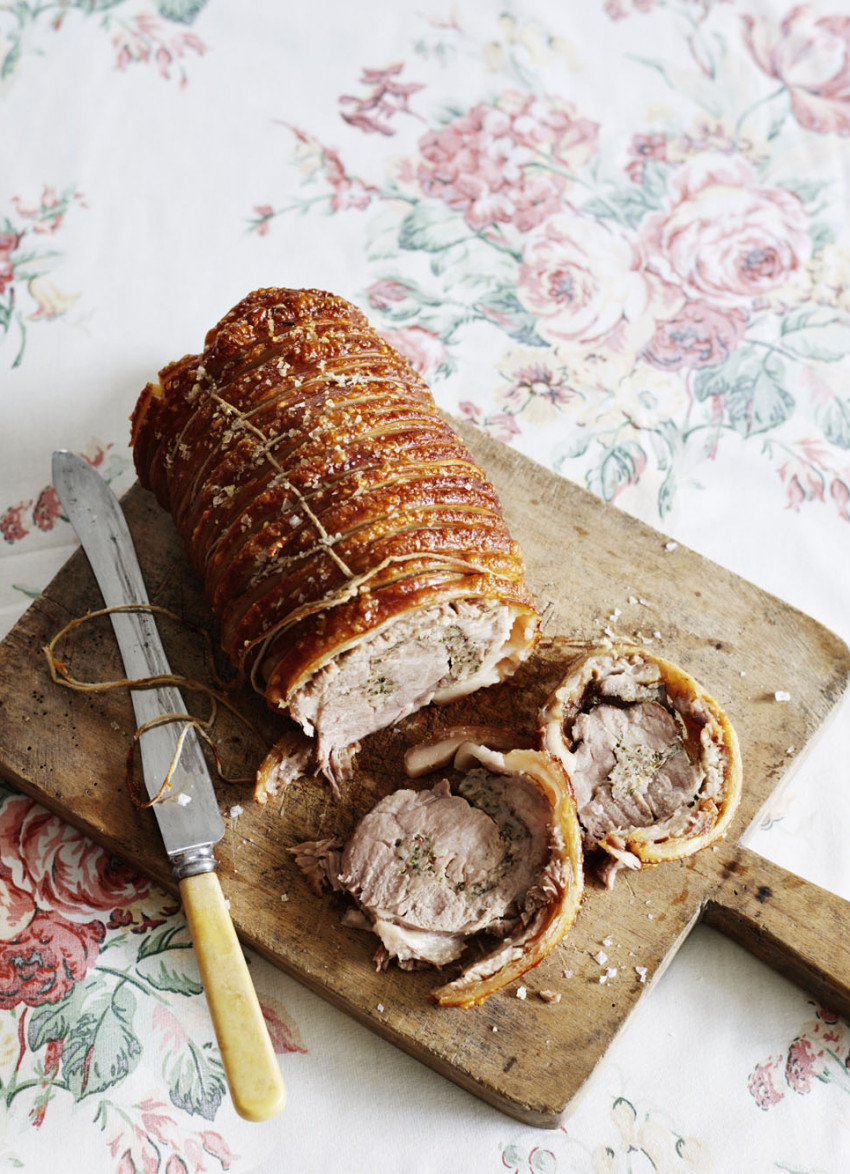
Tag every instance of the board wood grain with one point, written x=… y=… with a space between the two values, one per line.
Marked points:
x=587 y=561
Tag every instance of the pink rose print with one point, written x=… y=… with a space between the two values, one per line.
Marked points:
x=500 y=425
x=44 y=962
x=811 y=57
x=17 y=907
x=386 y=292
x=145 y=40
x=819 y=1054
x=11 y=522
x=61 y=867
x=699 y=336
x=157 y=1142
x=800 y=1069
x=840 y=493
x=645 y=147
x=495 y=163
x=388 y=97
x=348 y=191
x=425 y=350
x=724 y=238
x=9 y=241
x=49 y=214
x=761 y=1084
x=46 y=509
x=586 y=283
x=282 y=1030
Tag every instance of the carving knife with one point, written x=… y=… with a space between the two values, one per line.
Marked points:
x=187 y=814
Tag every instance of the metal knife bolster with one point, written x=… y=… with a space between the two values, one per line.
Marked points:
x=188 y=816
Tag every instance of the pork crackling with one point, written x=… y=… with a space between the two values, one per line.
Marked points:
x=435 y=872
x=653 y=760
x=355 y=554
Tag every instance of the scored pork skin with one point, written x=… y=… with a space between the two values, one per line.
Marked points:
x=324 y=499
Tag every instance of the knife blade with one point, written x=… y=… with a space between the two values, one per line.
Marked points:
x=187 y=812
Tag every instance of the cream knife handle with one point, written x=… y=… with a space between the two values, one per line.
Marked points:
x=250 y=1064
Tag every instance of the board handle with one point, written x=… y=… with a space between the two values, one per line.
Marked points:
x=251 y=1067
x=796 y=927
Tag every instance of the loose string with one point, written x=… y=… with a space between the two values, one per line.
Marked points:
x=61 y=675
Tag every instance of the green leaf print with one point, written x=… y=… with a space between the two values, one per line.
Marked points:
x=180 y=11
x=431 y=228
x=55 y=1020
x=503 y=307
x=754 y=397
x=759 y=402
x=166 y=961
x=196 y=1080
x=834 y=418
x=619 y=467
x=101 y=1048
x=826 y=341
x=174 y=936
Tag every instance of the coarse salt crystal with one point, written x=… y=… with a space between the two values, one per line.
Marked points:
x=183 y=799
x=521 y=992
x=380 y=1006
x=781 y=695
x=670 y=545
x=640 y=971
x=600 y=958
x=235 y=811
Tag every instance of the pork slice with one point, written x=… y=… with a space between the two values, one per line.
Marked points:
x=630 y=767
x=319 y=860
x=430 y=868
x=435 y=654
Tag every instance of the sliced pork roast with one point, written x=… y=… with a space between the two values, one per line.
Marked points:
x=432 y=870
x=653 y=760
x=356 y=556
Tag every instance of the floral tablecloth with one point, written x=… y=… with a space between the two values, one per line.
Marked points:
x=612 y=234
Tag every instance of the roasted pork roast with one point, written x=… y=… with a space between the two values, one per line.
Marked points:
x=653 y=760
x=496 y=855
x=355 y=554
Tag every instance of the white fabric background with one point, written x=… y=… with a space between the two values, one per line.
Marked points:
x=170 y=177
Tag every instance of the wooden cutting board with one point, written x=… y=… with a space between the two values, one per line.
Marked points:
x=587 y=561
